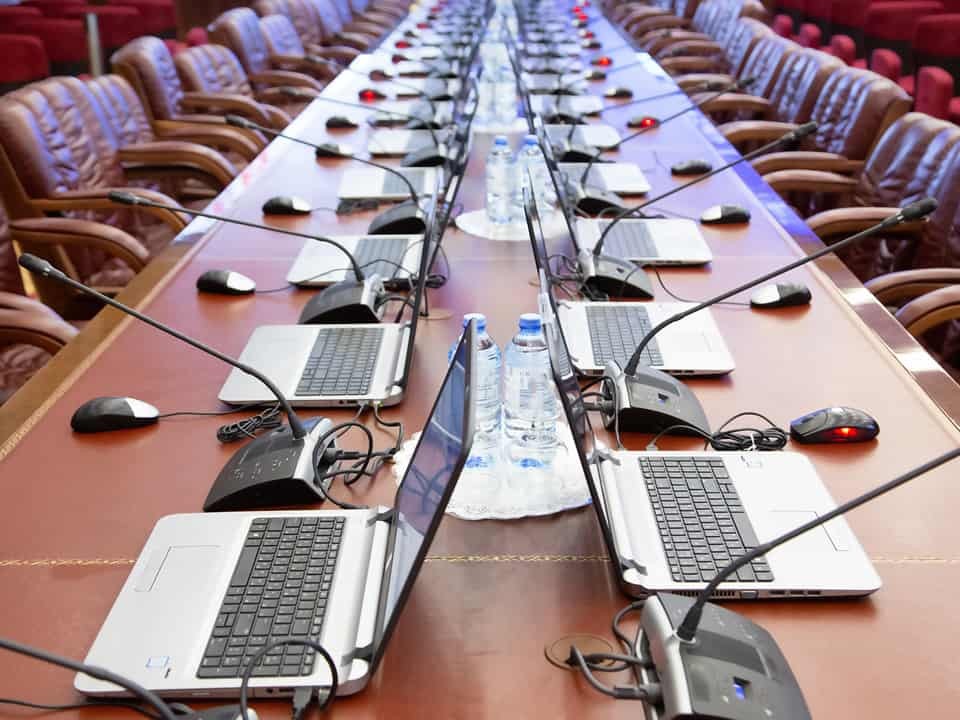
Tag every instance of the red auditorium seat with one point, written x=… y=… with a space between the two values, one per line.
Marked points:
x=936 y=41
x=157 y=16
x=891 y=25
x=820 y=13
x=64 y=40
x=934 y=92
x=10 y=14
x=810 y=36
x=783 y=25
x=197 y=36
x=843 y=47
x=117 y=25
x=25 y=60
x=887 y=63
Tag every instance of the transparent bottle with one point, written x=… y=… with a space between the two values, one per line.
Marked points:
x=532 y=167
x=504 y=96
x=500 y=174
x=486 y=441
x=530 y=407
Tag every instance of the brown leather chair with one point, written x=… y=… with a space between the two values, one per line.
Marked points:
x=239 y=30
x=335 y=31
x=306 y=20
x=30 y=333
x=853 y=110
x=214 y=72
x=146 y=63
x=700 y=56
x=711 y=22
x=374 y=25
x=647 y=24
x=288 y=53
x=918 y=156
x=791 y=98
x=388 y=12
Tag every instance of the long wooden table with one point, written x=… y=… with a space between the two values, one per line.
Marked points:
x=76 y=509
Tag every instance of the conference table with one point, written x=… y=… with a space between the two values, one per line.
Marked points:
x=492 y=594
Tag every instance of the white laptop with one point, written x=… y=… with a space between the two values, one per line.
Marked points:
x=598 y=135
x=672 y=520
x=371 y=182
x=210 y=590
x=389 y=256
x=648 y=241
x=567 y=104
x=400 y=141
x=622 y=178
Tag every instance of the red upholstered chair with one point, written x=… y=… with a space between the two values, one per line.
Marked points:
x=887 y=63
x=117 y=25
x=25 y=60
x=892 y=24
x=197 y=36
x=844 y=48
x=810 y=36
x=934 y=92
x=157 y=16
x=783 y=25
x=936 y=41
x=53 y=8
x=820 y=13
x=64 y=40
x=9 y=14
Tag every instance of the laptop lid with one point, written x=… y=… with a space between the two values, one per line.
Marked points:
x=426 y=488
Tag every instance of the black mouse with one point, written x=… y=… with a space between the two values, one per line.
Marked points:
x=370 y=94
x=834 y=425
x=104 y=414
x=642 y=121
x=225 y=282
x=595 y=75
x=780 y=295
x=725 y=215
x=691 y=167
x=618 y=92
x=336 y=122
x=286 y=205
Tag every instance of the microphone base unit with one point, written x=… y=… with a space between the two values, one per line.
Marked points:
x=274 y=470
x=607 y=276
x=649 y=401
x=575 y=153
x=593 y=201
x=407 y=218
x=347 y=301
x=430 y=156
x=733 y=669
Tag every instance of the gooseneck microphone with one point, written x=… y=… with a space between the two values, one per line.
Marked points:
x=645 y=399
x=279 y=468
x=729 y=87
x=324 y=150
x=790 y=137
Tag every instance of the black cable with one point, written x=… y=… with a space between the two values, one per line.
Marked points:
x=248 y=672
x=745 y=439
x=208 y=413
x=269 y=418
x=668 y=291
x=80 y=706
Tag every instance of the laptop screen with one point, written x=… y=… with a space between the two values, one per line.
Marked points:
x=426 y=486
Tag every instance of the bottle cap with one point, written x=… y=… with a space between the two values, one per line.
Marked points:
x=531 y=322
x=530 y=140
x=501 y=140
x=479 y=317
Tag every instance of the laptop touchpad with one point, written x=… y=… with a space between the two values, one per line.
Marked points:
x=179 y=568
x=777 y=522
x=688 y=342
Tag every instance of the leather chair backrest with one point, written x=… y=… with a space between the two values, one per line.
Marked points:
x=306 y=20
x=705 y=16
x=239 y=30
x=344 y=12
x=146 y=63
x=122 y=108
x=212 y=68
x=329 y=19
x=799 y=83
x=281 y=36
x=686 y=8
x=741 y=42
x=765 y=62
x=266 y=8
x=853 y=110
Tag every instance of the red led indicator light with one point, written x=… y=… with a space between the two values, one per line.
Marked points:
x=603 y=61
x=845 y=432
x=368 y=95
x=402 y=44
x=649 y=122
x=423 y=25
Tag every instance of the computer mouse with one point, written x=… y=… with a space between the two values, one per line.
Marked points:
x=225 y=282
x=780 y=295
x=618 y=92
x=595 y=75
x=104 y=414
x=336 y=122
x=642 y=121
x=286 y=205
x=691 y=167
x=834 y=425
x=379 y=75
x=725 y=215
x=370 y=94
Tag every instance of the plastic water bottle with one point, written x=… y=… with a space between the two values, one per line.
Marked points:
x=500 y=178
x=486 y=440
x=529 y=397
x=504 y=96
x=531 y=165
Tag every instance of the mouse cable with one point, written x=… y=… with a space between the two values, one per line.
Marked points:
x=668 y=291
x=267 y=419
x=301 y=697
x=746 y=439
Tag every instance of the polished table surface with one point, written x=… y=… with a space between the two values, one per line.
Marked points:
x=76 y=509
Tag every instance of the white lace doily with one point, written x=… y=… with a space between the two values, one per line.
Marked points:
x=507 y=492
x=476 y=223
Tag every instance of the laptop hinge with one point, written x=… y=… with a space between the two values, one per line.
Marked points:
x=631 y=564
x=361 y=653
x=601 y=454
x=386 y=516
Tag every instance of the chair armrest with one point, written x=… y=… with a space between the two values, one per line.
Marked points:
x=739 y=102
x=96 y=199
x=87 y=234
x=285 y=77
x=930 y=310
x=174 y=152
x=237 y=140
x=645 y=26
x=664 y=40
x=43 y=330
x=802 y=160
x=893 y=288
x=741 y=131
x=815 y=181
x=307 y=64
x=850 y=220
x=692 y=64
x=340 y=53
x=691 y=48
x=635 y=15
x=231 y=102
x=353 y=40
x=359 y=27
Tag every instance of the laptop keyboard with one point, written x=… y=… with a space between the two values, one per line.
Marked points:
x=629 y=240
x=392 y=185
x=279 y=589
x=701 y=520
x=616 y=331
x=381 y=255
x=341 y=362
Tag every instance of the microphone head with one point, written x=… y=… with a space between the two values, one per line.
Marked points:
x=290 y=92
x=745 y=83
x=799 y=133
x=36 y=265
x=327 y=150
x=239 y=121
x=123 y=198
x=714 y=85
x=917 y=210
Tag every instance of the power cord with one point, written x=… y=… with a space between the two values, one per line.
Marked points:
x=668 y=291
x=768 y=439
x=267 y=419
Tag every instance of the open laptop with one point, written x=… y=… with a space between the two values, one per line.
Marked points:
x=374 y=183
x=211 y=589
x=601 y=332
x=389 y=256
x=672 y=520
x=622 y=178
x=334 y=365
